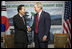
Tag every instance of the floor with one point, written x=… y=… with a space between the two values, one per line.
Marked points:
x=32 y=45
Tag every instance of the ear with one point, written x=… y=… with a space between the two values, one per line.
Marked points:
x=19 y=10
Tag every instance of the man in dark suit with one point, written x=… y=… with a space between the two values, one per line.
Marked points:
x=19 y=21
x=41 y=27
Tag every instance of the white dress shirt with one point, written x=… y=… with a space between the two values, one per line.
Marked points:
x=40 y=14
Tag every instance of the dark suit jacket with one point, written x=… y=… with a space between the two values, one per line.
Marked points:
x=20 y=29
x=43 y=25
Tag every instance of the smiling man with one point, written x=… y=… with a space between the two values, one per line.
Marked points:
x=19 y=21
x=41 y=26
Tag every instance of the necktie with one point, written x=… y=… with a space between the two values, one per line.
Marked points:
x=23 y=20
x=36 y=26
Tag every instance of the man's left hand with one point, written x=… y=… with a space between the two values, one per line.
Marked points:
x=44 y=38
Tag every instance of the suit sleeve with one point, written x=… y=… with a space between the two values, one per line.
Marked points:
x=47 y=24
x=18 y=24
x=33 y=26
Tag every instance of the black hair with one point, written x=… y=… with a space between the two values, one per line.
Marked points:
x=19 y=7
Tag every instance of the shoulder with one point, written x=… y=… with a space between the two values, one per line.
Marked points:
x=15 y=16
x=46 y=13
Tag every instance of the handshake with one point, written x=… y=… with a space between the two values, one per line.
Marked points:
x=28 y=29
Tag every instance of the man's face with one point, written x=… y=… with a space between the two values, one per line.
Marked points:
x=22 y=11
x=36 y=8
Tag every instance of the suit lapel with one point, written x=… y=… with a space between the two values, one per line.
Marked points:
x=41 y=16
x=21 y=19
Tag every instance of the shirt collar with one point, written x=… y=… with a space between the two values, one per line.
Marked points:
x=20 y=15
x=40 y=12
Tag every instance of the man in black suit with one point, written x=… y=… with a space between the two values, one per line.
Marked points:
x=41 y=27
x=19 y=21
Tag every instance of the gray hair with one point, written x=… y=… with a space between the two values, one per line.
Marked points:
x=38 y=4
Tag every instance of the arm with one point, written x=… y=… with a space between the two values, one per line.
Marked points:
x=18 y=24
x=33 y=26
x=47 y=26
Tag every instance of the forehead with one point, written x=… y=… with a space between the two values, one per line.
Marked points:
x=23 y=7
x=35 y=5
